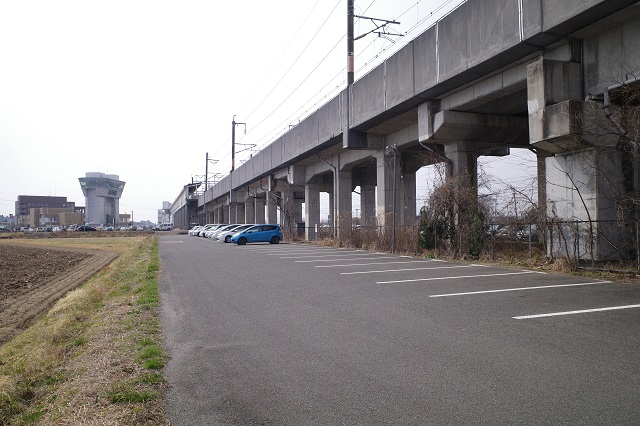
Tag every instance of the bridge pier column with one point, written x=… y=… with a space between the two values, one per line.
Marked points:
x=368 y=204
x=408 y=198
x=589 y=160
x=463 y=158
x=224 y=213
x=312 y=210
x=237 y=213
x=343 y=212
x=332 y=203
x=272 y=207
x=259 y=210
x=384 y=188
x=288 y=211
x=250 y=210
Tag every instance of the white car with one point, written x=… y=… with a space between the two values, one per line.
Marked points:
x=214 y=232
x=206 y=228
x=225 y=236
x=194 y=230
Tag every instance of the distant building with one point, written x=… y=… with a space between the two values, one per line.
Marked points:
x=51 y=216
x=102 y=194
x=26 y=203
x=164 y=214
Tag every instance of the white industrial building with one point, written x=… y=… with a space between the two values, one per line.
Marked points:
x=102 y=194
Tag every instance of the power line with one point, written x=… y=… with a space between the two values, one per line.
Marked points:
x=295 y=61
x=278 y=128
x=280 y=56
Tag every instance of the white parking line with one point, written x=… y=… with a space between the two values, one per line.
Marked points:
x=584 y=311
x=329 y=255
x=280 y=253
x=333 y=260
x=373 y=263
x=459 y=277
x=285 y=250
x=517 y=289
x=411 y=269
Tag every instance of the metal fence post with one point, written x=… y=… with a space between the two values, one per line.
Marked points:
x=577 y=245
x=530 y=251
x=637 y=249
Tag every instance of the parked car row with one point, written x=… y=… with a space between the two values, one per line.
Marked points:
x=81 y=228
x=239 y=233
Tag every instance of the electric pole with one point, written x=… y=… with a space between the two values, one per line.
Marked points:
x=233 y=140
x=350 y=64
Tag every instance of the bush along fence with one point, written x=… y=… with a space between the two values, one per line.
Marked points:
x=581 y=244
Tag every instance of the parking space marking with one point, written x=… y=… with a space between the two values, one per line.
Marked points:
x=412 y=269
x=302 y=251
x=283 y=250
x=330 y=255
x=519 y=289
x=333 y=260
x=459 y=277
x=372 y=263
x=583 y=311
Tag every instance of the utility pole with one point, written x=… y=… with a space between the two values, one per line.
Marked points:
x=393 y=199
x=380 y=29
x=206 y=185
x=353 y=139
x=233 y=140
x=350 y=62
x=233 y=157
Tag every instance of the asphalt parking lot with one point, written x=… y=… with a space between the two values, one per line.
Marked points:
x=301 y=334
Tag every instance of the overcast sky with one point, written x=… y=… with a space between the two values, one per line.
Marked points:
x=143 y=89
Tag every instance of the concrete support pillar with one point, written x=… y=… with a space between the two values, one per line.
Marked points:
x=312 y=210
x=332 y=203
x=233 y=213
x=239 y=213
x=384 y=188
x=272 y=207
x=368 y=204
x=224 y=214
x=407 y=194
x=288 y=211
x=463 y=157
x=344 y=205
x=298 y=216
x=259 y=210
x=250 y=210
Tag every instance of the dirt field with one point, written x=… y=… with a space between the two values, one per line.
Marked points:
x=32 y=279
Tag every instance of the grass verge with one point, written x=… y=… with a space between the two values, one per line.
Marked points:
x=96 y=357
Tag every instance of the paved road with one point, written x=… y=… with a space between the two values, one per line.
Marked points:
x=291 y=334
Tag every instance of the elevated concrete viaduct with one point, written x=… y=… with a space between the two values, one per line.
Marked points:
x=490 y=76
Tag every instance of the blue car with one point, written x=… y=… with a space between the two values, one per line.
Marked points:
x=258 y=234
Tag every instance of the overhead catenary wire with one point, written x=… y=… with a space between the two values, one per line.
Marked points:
x=294 y=62
x=283 y=125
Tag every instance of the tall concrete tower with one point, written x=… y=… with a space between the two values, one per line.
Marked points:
x=102 y=194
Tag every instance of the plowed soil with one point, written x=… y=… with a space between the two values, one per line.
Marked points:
x=33 y=279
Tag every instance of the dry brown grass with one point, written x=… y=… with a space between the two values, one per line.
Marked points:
x=84 y=362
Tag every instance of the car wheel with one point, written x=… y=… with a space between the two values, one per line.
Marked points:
x=274 y=240
x=227 y=239
x=242 y=241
